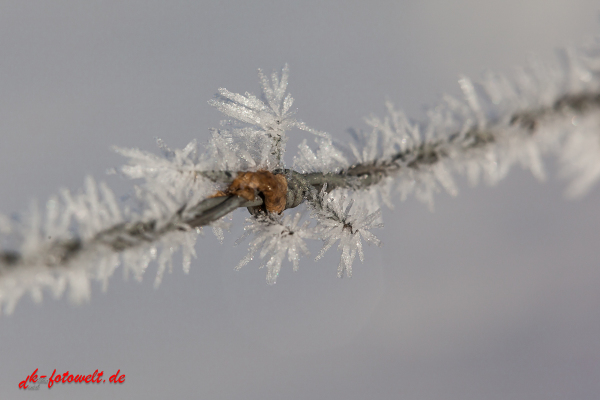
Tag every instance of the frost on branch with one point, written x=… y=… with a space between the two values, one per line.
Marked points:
x=546 y=109
x=327 y=157
x=268 y=118
x=172 y=176
x=275 y=236
x=338 y=221
x=580 y=155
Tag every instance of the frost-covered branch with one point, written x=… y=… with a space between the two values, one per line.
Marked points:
x=500 y=122
x=126 y=235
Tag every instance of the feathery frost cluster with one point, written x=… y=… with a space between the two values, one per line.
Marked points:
x=499 y=122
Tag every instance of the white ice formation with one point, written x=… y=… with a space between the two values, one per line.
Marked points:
x=545 y=109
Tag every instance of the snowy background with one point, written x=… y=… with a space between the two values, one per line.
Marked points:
x=493 y=296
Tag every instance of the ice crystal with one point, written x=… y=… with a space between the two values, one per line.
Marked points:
x=338 y=222
x=275 y=236
x=328 y=157
x=269 y=118
x=580 y=155
x=238 y=149
x=396 y=134
x=261 y=144
x=171 y=179
x=497 y=124
x=494 y=125
x=36 y=236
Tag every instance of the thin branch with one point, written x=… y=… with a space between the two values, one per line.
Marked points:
x=301 y=186
x=126 y=235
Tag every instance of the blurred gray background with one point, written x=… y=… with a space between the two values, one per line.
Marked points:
x=495 y=295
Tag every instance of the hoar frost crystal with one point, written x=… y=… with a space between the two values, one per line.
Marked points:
x=500 y=122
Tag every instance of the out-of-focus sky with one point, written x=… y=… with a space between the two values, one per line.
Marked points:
x=493 y=296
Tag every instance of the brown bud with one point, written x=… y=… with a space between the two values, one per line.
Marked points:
x=273 y=188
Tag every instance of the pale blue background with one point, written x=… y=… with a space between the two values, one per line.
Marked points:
x=494 y=296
